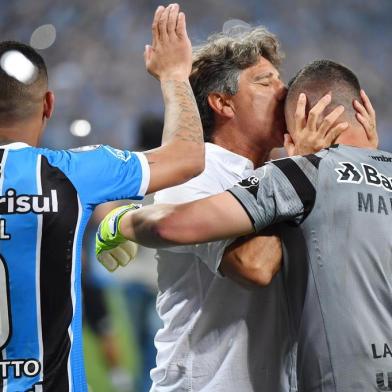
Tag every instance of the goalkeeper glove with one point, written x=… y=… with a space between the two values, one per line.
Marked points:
x=111 y=247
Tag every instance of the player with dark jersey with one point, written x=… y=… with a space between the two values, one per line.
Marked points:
x=334 y=209
x=47 y=197
x=337 y=261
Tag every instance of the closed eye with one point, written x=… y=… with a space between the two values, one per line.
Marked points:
x=265 y=82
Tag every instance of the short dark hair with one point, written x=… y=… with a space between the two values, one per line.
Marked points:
x=322 y=76
x=18 y=99
x=217 y=64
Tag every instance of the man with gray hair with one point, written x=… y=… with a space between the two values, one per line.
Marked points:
x=217 y=335
x=213 y=336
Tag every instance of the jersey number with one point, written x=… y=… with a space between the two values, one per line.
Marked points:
x=5 y=314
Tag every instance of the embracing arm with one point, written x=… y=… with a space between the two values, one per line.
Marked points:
x=210 y=219
x=169 y=59
x=249 y=206
x=253 y=260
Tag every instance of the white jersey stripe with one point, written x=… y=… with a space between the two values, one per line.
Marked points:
x=2 y=166
x=38 y=271
x=145 y=182
x=73 y=296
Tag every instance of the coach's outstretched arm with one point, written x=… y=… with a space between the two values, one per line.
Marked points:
x=169 y=59
x=248 y=207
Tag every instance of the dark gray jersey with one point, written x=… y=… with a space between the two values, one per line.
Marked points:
x=339 y=261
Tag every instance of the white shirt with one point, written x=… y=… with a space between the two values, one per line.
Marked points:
x=217 y=336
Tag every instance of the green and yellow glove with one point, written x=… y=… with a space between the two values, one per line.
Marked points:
x=111 y=247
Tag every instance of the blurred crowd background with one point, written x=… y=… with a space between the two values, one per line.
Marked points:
x=94 y=52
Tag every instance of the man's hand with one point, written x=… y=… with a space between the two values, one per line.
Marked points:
x=366 y=115
x=310 y=136
x=170 y=55
x=111 y=247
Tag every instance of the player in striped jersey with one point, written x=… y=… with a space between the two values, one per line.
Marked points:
x=334 y=208
x=47 y=197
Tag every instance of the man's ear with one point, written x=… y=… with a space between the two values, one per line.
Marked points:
x=48 y=104
x=221 y=104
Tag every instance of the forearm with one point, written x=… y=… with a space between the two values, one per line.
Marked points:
x=210 y=219
x=182 y=120
x=181 y=156
x=143 y=226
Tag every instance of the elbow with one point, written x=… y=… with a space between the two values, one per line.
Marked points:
x=192 y=161
x=173 y=230
x=166 y=232
x=200 y=164
x=260 y=277
x=161 y=234
x=195 y=162
x=255 y=274
x=247 y=274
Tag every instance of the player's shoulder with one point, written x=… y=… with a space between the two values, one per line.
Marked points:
x=344 y=153
x=295 y=163
x=299 y=170
x=86 y=153
x=51 y=153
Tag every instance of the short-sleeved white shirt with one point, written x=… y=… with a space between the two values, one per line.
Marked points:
x=217 y=336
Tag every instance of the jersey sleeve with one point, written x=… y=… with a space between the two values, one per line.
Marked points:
x=102 y=173
x=282 y=190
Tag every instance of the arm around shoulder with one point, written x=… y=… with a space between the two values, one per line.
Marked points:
x=213 y=218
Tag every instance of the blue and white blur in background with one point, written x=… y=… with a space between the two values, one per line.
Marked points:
x=94 y=53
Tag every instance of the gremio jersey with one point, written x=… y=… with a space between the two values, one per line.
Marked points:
x=339 y=261
x=46 y=199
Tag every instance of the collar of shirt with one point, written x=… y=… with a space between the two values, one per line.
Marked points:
x=14 y=146
x=237 y=163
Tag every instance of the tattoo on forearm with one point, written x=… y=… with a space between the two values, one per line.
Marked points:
x=182 y=120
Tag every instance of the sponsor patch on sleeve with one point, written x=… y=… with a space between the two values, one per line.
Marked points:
x=85 y=148
x=251 y=184
x=120 y=154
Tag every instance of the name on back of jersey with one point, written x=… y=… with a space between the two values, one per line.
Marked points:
x=350 y=173
x=11 y=203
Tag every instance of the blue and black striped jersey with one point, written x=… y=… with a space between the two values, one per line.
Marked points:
x=46 y=199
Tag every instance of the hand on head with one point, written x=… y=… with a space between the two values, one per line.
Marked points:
x=314 y=132
x=366 y=116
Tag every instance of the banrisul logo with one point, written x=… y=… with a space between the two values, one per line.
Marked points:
x=11 y=203
x=353 y=174
x=349 y=173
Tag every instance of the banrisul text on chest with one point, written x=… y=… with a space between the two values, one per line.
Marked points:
x=12 y=203
x=350 y=173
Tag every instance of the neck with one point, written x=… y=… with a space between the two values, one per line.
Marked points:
x=356 y=137
x=236 y=142
x=26 y=132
